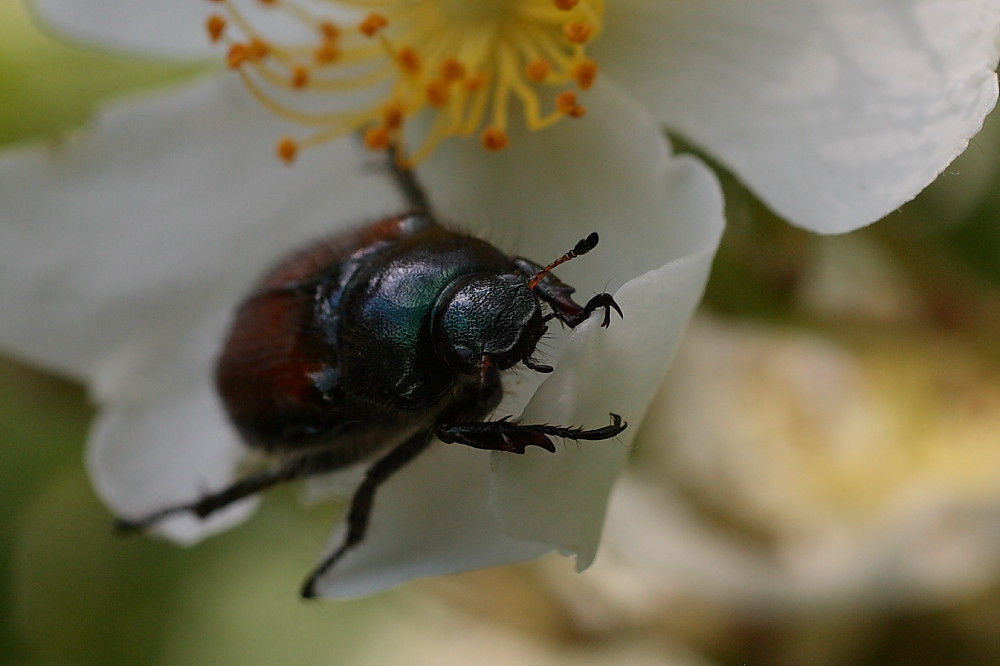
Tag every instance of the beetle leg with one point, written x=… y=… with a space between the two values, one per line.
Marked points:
x=559 y=296
x=406 y=180
x=505 y=435
x=317 y=462
x=362 y=502
x=537 y=367
x=604 y=300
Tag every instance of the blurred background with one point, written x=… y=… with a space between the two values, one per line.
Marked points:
x=818 y=482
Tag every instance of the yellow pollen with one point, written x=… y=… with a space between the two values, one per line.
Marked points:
x=410 y=74
x=216 y=25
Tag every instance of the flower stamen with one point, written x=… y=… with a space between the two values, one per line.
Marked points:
x=402 y=63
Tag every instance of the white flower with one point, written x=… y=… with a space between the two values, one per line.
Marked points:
x=123 y=254
x=835 y=112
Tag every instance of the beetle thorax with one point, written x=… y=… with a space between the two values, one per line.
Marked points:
x=495 y=317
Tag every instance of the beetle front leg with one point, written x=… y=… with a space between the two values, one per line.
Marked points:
x=575 y=318
x=505 y=435
x=559 y=296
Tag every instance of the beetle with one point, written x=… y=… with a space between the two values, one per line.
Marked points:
x=375 y=342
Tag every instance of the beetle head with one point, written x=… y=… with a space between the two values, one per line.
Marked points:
x=487 y=319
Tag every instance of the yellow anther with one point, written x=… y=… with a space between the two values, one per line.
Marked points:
x=288 y=150
x=416 y=73
x=437 y=93
x=378 y=138
x=300 y=77
x=476 y=82
x=578 y=32
x=452 y=69
x=393 y=115
x=538 y=70
x=495 y=139
x=258 y=49
x=327 y=52
x=215 y=25
x=567 y=103
x=372 y=24
x=238 y=54
x=329 y=30
x=584 y=72
x=409 y=59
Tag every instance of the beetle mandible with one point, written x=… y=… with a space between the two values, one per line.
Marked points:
x=374 y=342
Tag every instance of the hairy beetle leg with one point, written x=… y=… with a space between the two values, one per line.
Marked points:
x=505 y=435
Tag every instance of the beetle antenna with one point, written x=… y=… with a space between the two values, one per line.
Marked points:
x=406 y=180
x=581 y=248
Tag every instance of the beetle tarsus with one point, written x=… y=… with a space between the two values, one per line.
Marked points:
x=606 y=301
x=537 y=367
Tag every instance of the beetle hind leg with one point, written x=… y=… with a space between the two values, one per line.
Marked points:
x=309 y=464
x=362 y=502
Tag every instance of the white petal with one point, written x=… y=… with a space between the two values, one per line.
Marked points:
x=611 y=172
x=119 y=245
x=124 y=252
x=432 y=518
x=161 y=27
x=147 y=457
x=562 y=498
x=173 y=28
x=834 y=111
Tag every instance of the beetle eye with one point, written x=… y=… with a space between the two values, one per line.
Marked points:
x=464 y=354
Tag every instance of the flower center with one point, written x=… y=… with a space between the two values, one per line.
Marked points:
x=460 y=64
